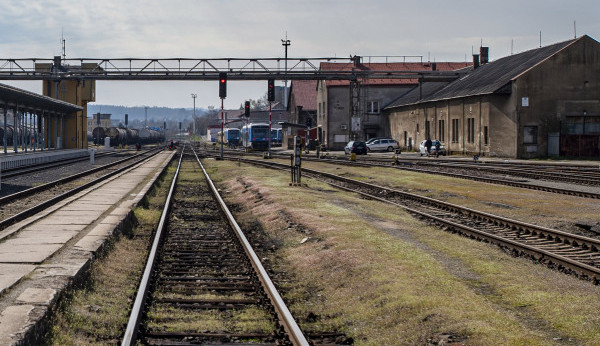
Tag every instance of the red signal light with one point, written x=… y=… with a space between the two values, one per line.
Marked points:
x=222 y=85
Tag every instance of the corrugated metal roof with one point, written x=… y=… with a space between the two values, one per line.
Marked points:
x=414 y=94
x=489 y=78
x=28 y=99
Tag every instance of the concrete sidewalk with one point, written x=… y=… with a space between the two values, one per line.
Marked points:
x=44 y=255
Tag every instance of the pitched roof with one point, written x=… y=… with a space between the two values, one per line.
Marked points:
x=391 y=66
x=305 y=93
x=489 y=78
x=28 y=99
x=415 y=94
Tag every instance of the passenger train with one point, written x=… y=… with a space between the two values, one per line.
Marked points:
x=276 y=137
x=255 y=136
x=231 y=137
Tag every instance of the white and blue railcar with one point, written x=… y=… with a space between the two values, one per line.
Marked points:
x=255 y=136
x=232 y=137
x=275 y=137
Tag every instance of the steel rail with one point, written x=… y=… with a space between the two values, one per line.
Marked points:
x=26 y=213
x=130 y=335
x=496 y=181
x=563 y=237
x=289 y=324
x=564 y=191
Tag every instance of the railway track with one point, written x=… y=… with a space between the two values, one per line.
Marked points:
x=471 y=172
x=20 y=205
x=203 y=282
x=567 y=174
x=571 y=253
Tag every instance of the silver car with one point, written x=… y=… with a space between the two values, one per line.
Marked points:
x=423 y=149
x=383 y=144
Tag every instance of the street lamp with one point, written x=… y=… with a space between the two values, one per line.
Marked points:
x=194 y=116
x=286 y=43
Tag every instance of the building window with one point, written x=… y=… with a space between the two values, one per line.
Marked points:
x=486 y=138
x=471 y=130
x=530 y=134
x=405 y=138
x=427 y=133
x=417 y=127
x=454 y=130
x=373 y=107
x=441 y=128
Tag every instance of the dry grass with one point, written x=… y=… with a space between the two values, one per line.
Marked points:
x=383 y=277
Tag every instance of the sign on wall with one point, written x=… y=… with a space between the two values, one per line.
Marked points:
x=525 y=102
x=356 y=124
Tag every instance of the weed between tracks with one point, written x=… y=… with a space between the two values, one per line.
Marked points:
x=383 y=277
x=98 y=314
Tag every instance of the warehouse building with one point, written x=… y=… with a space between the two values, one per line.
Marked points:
x=542 y=102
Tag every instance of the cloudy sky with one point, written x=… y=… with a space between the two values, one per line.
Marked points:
x=439 y=30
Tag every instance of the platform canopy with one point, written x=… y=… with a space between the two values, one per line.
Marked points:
x=12 y=96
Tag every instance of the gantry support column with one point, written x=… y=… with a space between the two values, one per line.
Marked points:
x=4 y=139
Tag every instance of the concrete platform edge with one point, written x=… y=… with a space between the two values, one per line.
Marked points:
x=38 y=319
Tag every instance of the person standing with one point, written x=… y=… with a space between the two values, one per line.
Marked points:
x=428 y=144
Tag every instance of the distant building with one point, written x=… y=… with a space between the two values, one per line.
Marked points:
x=335 y=108
x=93 y=122
x=542 y=102
x=303 y=102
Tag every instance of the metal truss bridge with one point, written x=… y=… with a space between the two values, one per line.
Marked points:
x=57 y=69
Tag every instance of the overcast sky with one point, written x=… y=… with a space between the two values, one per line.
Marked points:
x=439 y=30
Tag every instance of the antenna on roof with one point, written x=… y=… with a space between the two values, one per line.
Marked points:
x=63 y=43
x=575 y=29
x=540 y=38
x=511 y=46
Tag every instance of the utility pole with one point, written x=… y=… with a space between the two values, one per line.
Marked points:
x=194 y=116
x=286 y=43
x=146 y=116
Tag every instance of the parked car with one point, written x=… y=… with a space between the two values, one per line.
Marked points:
x=423 y=150
x=357 y=147
x=371 y=140
x=383 y=144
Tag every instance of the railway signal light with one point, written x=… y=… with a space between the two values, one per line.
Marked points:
x=222 y=85
x=271 y=90
x=247 y=109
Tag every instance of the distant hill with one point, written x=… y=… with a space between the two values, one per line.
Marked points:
x=155 y=114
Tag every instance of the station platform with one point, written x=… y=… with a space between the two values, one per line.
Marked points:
x=20 y=159
x=44 y=255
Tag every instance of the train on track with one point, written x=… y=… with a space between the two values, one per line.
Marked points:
x=120 y=136
x=22 y=135
x=255 y=136
x=276 y=137
x=231 y=137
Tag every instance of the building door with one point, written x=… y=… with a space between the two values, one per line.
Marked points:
x=554 y=144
